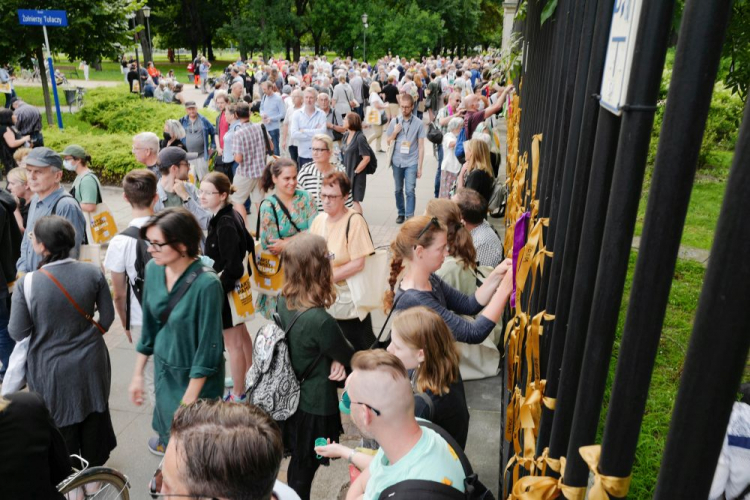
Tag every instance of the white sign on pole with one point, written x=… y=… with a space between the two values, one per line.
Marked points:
x=620 y=48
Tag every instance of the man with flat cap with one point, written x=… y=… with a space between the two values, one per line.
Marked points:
x=173 y=187
x=44 y=173
x=200 y=138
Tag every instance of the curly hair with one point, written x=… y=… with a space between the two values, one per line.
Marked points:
x=308 y=273
x=422 y=328
x=403 y=247
x=460 y=244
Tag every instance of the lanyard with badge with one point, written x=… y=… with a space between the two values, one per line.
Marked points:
x=405 y=145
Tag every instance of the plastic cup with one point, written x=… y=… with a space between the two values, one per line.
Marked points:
x=320 y=442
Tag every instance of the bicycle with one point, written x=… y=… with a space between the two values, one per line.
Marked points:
x=95 y=483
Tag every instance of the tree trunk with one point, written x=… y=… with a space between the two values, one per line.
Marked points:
x=45 y=87
x=297 y=47
x=210 y=49
x=97 y=64
x=143 y=38
x=288 y=49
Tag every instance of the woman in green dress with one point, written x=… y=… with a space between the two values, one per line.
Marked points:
x=283 y=215
x=187 y=344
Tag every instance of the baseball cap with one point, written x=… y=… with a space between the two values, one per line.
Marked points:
x=75 y=151
x=44 y=157
x=173 y=155
x=190 y=104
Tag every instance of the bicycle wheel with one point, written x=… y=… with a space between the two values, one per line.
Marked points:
x=100 y=483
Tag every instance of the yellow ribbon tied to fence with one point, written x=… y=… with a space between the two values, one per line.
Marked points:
x=604 y=486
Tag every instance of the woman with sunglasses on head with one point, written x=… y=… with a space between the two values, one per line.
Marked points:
x=68 y=362
x=459 y=270
x=182 y=325
x=348 y=238
x=317 y=348
x=282 y=216
x=227 y=244
x=418 y=253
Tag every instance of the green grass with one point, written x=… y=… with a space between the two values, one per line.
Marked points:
x=703 y=213
x=683 y=302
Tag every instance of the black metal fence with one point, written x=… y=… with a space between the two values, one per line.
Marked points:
x=576 y=170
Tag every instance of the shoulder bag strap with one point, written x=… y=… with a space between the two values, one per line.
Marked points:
x=174 y=299
x=288 y=215
x=275 y=216
x=430 y=405
x=348 y=223
x=385 y=323
x=75 y=304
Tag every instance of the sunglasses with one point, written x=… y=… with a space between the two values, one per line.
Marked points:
x=434 y=221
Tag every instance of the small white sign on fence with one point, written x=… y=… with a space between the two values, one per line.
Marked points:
x=621 y=45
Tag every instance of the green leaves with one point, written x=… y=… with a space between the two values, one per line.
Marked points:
x=548 y=10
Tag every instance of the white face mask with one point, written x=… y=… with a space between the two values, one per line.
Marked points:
x=68 y=165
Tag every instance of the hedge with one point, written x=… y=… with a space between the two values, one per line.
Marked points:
x=105 y=127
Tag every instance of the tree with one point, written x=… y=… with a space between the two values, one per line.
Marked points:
x=96 y=30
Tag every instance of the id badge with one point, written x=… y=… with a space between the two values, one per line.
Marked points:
x=405 y=147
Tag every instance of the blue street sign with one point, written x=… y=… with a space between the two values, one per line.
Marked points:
x=43 y=17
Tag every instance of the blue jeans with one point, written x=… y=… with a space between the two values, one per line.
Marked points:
x=439 y=148
x=275 y=138
x=6 y=343
x=408 y=174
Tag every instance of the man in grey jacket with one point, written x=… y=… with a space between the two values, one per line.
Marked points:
x=173 y=188
x=44 y=172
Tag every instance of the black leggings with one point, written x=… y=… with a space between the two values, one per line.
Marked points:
x=300 y=477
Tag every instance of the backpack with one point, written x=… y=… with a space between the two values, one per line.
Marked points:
x=434 y=135
x=270 y=381
x=460 y=154
x=372 y=166
x=419 y=489
x=141 y=259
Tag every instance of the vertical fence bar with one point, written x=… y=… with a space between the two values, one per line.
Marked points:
x=702 y=34
x=593 y=53
x=720 y=341
x=630 y=163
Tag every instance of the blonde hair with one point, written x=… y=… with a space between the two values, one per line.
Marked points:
x=375 y=88
x=480 y=156
x=324 y=138
x=379 y=360
x=19 y=173
x=20 y=155
x=308 y=273
x=460 y=243
x=422 y=328
x=403 y=247
x=3 y=403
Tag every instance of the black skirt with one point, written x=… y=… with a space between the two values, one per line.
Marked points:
x=302 y=429
x=93 y=439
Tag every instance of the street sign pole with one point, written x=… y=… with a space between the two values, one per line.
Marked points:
x=53 y=79
x=46 y=18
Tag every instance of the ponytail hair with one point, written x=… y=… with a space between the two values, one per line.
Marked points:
x=274 y=169
x=402 y=248
x=460 y=243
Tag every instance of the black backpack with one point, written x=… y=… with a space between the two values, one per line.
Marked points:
x=373 y=165
x=418 y=489
x=141 y=259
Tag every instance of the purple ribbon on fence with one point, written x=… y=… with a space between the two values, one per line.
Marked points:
x=519 y=240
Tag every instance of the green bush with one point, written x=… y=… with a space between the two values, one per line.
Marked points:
x=105 y=127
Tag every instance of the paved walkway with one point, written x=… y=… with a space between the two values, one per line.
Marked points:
x=698 y=255
x=133 y=425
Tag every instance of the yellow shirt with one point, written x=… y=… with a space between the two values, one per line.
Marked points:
x=359 y=242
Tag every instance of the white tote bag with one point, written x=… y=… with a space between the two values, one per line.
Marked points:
x=368 y=286
x=15 y=376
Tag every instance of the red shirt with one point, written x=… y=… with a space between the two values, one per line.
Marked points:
x=472 y=121
x=223 y=128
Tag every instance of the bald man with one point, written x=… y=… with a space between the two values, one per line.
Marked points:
x=382 y=408
x=474 y=117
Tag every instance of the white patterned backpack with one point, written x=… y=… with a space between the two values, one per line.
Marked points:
x=271 y=383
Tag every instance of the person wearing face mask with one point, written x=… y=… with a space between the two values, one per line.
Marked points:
x=86 y=187
x=173 y=134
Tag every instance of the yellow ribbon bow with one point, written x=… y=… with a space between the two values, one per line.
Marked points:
x=604 y=486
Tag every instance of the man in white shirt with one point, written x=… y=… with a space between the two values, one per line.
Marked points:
x=307 y=122
x=356 y=84
x=287 y=141
x=140 y=192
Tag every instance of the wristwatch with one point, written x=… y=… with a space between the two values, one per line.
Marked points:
x=351 y=455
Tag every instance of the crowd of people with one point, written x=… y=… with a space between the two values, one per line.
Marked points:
x=302 y=169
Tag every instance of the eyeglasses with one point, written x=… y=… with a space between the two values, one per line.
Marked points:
x=200 y=192
x=319 y=150
x=331 y=197
x=406 y=107
x=158 y=246
x=154 y=488
x=435 y=221
x=376 y=412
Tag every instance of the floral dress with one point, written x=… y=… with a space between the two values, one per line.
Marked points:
x=302 y=210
